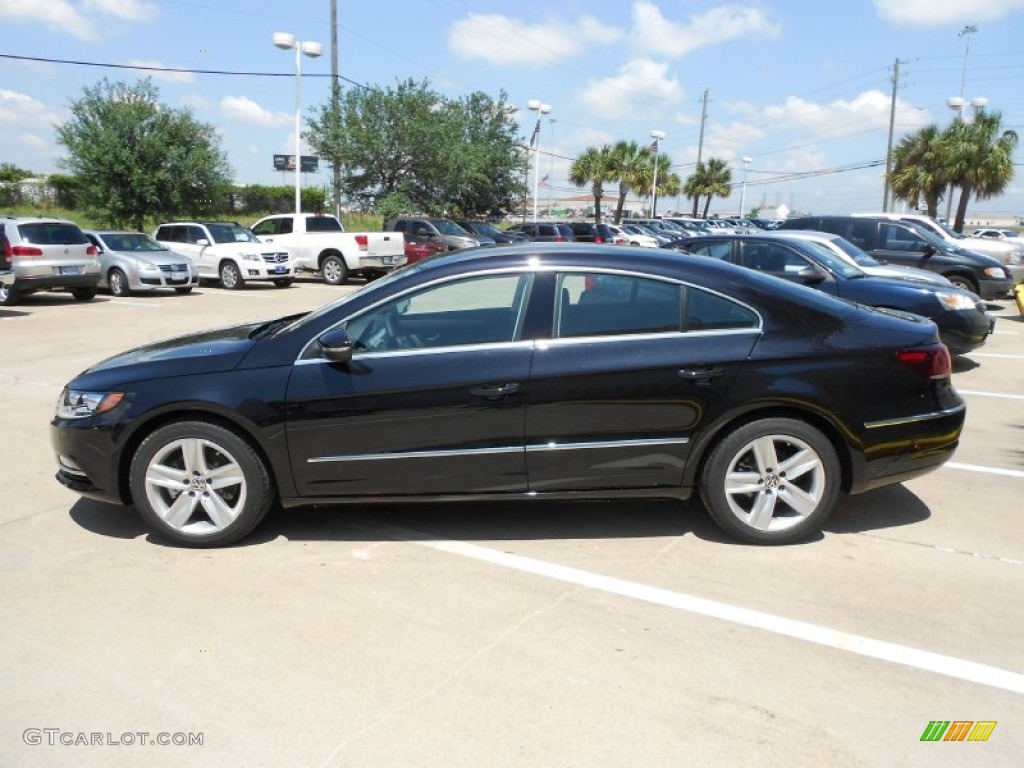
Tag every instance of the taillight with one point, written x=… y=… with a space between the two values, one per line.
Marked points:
x=931 y=362
x=559 y=239
x=598 y=239
x=26 y=250
x=90 y=251
x=362 y=241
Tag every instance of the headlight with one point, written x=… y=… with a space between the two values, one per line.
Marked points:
x=250 y=256
x=146 y=266
x=997 y=272
x=955 y=300
x=76 y=404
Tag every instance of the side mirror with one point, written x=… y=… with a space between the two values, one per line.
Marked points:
x=336 y=345
x=810 y=276
x=203 y=242
x=927 y=249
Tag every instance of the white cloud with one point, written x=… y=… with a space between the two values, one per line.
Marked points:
x=157 y=74
x=504 y=41
x=55 y=14
x=641 y=88
x=727 y=22
x=245 y=110
x=195 y=101
x=868 y=110
x=36 y=142
x=939 y=12
x=130 y=10
x=20 y=108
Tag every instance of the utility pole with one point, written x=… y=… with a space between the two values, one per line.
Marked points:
x=892 y=124
x=335 y=106
x=700 y=141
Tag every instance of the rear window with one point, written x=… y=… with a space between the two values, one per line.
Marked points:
x=322 y=224
x=52 y=233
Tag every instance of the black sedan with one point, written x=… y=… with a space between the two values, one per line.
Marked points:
x=539 y=371
x=963 y=323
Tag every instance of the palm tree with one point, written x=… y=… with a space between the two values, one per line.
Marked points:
x=631 y=167
x=978 y=158
x=917 y=171
x=710 y=181
x=594 y=167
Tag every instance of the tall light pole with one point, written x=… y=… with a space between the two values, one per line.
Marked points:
x=286 y=41
x=966 y=33
x=743 y=188
x=551 y=163
x=541 y=109
x=958 y=104
x=657 y=136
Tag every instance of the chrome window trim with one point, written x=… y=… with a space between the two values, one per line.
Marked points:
x=914 y=419
x=450 y=453
x=498 y=345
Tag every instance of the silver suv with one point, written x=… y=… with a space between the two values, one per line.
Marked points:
x=47 y=254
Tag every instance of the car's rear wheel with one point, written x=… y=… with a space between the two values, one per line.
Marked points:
x=118 y=282
x=772 y=481
x=283 y=283
x=334 y=270
x=199 y=484
x=231 y=277
x=8 y=296
x=84 y=294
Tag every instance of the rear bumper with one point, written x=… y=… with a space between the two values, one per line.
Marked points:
x=901 y=449
x=27 y=284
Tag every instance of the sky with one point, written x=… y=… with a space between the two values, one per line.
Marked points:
x=803 y=88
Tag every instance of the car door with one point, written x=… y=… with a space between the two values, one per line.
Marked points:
x=634 y=367
x=432 y=401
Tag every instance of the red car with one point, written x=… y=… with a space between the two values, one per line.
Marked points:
x=418 y=251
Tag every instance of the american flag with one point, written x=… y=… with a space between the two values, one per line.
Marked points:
x=536 y=133
x=544 y=181
x=653 y=149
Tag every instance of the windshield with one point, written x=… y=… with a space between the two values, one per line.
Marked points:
x=859 y=257
x=832 y=262
x=446 y=227
x=929 y=236
x=231 y=233
x=130 y=241
x=487 y=229
x=945 y=228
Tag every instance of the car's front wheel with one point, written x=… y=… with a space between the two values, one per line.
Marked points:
x=199 y=484
x=772 y=481
x=118 y=282
x=231 y=277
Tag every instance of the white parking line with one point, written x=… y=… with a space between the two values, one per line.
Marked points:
x=1006 y=333
x=950 y=666
x=978 y=393
x=147 y=304
x=987 y=470
x=1002 y=357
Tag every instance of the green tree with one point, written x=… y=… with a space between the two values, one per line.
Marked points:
x=710 y=180
x=445 y=156
x=978 y=158
x=135 y=157
x=917 y=173
x=631 y=167
x=595 y=167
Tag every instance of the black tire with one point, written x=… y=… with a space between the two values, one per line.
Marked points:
x=284 y=283
x=84 y=294
x=118 y=283
x=8 y=296
x=334 y=270
x=231 y=276
x=963 y=282
x=186 y=289
x=792 y=507
x=209 y=510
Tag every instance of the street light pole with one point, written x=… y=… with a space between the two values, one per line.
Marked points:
x=958 y=104
x=743 y=188
x=286 y=41
x=541 y=109
x=657 y=136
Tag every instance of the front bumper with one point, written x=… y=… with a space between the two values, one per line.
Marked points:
x=964 y=330
x=995 y=289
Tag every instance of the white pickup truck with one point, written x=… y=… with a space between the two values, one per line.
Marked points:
x=319 y=243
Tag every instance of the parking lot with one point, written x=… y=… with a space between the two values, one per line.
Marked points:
x=547 y=634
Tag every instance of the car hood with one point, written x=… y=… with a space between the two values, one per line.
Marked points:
x=207 y=352
x=159 y=258
x=899 y=272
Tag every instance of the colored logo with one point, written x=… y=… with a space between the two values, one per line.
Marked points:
x=958 y=730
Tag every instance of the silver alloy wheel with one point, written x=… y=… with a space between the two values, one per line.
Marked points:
x=230 y=277
x=118 y=282
x=334 y=270
x=775 y=482
x=195 y=486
